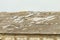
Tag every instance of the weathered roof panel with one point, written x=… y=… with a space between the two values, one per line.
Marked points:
x=30 y=22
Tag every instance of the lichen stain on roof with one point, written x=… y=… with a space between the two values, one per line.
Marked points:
x=30 y=22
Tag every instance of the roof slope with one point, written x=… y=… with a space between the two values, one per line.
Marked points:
x=30 y=22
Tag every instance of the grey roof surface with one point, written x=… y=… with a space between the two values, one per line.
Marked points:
x=30 y=22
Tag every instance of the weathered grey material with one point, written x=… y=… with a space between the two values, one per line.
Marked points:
x=30 y=22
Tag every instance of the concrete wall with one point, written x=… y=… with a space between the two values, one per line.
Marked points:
x=29 y=37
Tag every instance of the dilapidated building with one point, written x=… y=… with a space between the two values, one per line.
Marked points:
x=30 y=25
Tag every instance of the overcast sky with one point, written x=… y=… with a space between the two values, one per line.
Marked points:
x=29 y=5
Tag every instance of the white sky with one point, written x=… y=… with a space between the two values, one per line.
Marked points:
x=29 y=5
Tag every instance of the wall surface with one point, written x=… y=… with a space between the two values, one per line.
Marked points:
x=30 y=22
x=29 y=37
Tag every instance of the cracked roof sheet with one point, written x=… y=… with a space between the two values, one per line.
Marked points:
x=30 y=22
